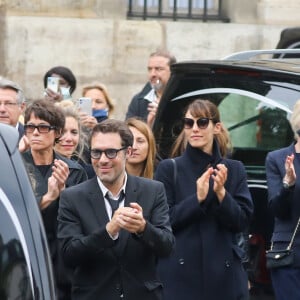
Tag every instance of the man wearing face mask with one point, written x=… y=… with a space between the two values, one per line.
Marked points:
x=144 y=104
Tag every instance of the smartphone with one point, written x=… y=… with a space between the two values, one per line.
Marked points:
x=84 y=104
x=53 y=84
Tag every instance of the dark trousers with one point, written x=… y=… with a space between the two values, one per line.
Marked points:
x=286 y=283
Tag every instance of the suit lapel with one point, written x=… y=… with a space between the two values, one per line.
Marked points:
x=97 y=202
x=98 y=206
x=130 y=191
x=130 y=196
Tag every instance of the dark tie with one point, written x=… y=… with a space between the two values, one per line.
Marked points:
x=115 y=203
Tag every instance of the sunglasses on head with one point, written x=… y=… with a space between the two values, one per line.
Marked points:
x=202 y=123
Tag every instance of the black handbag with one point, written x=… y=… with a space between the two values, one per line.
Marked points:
x=281 y=258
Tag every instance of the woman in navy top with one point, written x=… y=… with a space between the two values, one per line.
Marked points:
x=210 y=204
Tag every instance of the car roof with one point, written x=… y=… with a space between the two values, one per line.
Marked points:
x=263 y=60
x=288 y=66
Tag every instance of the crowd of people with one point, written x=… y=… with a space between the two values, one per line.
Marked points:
x=122 y=225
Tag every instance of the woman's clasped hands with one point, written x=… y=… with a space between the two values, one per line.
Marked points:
x=219 y=176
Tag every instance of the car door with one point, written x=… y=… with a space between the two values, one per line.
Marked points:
x=25 y=266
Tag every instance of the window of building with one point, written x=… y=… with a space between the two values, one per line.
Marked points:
x=203 y=10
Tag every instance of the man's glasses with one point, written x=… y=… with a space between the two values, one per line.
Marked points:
x=202 y=123
x=109 y=153
x=8 y=104
x=42 y=128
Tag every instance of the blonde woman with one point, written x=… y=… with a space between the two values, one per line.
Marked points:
x=73 y=143
x=142 y=159
x=102 y=104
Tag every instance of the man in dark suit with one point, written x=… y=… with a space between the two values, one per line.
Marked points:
x=144 y=104
x=12 y=104
x=114 y=254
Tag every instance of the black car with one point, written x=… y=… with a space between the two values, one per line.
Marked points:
x=255 y=98
x=25 y=265
x=289 y=39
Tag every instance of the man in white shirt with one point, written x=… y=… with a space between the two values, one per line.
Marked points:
x=113 y=247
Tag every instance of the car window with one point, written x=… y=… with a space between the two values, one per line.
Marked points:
x=255 y=122
x=251 y=119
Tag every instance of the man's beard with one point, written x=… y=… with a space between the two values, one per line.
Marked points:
x=158 y=86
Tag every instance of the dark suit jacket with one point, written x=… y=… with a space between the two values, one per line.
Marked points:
x=284 y=204
x=102 y=266
x=138 y=107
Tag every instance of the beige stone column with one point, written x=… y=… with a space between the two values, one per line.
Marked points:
x=2 y=37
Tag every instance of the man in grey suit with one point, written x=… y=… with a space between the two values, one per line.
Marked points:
x=114 y=253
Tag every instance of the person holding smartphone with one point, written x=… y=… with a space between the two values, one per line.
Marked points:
x=101 y=103
x=66 y=84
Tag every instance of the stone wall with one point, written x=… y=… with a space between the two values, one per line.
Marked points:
x=109 y=49
x=279 y=12
x=68 y=8
x=3 y=38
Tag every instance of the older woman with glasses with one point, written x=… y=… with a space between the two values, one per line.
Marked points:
x=49 y=174
x=210 y=204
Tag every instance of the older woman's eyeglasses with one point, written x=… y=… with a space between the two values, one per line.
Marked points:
x=42 y=128
x=202 y=123
x=109 y=153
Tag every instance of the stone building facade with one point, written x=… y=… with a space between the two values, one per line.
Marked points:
x=95 y=39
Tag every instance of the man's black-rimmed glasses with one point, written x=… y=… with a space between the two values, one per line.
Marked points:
x=109 y=153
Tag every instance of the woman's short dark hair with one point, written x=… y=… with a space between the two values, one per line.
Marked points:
x=46 y=111
x=65 y=73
